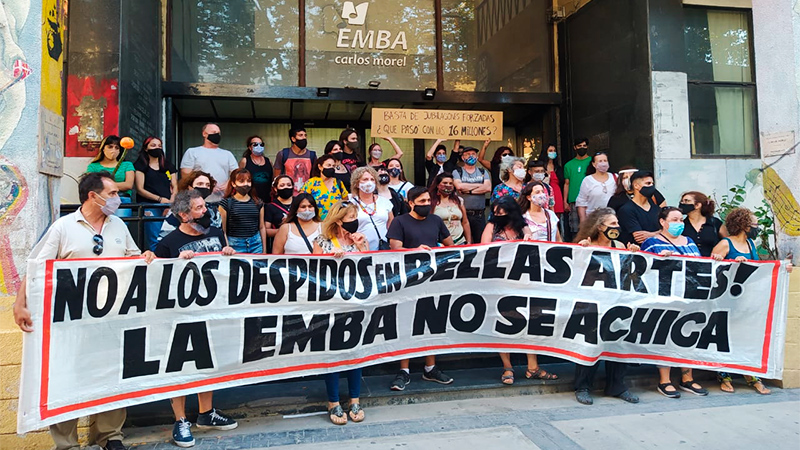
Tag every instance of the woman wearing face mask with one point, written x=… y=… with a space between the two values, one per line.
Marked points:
x=446 y=204
x=257 y=163
x=397 y=177
x=512 y=172
x=542 y=222
x=740 y=246
x=507 y=224
x=597 y=187
x=342 y=173
x=376 y=153
x=494 y=164
x=537 y=172
x=242 y=214
x=324 y=186
x=399 y=206
x=351 y=147
x=670 y=241
x=299 y=229
x=203 y=183
x=554 y=177
x=437 y=161
x=601 y=228
x=374 y=212
x=109 y=159
x=700 y=224
x=156 y=182
x=278 y=208
x=338 y=237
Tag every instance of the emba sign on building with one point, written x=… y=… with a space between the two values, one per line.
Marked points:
x=362 y=38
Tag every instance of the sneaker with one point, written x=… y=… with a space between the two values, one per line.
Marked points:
x=437 y=376
x=583 y=397
x=628 y=397
x=182 y=433
x=216 y=420
x=400 y=381
x=116 y=444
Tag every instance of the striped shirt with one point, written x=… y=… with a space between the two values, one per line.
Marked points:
x=656 y=245
x=243 y=217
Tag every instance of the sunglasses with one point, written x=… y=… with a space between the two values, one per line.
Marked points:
x=98 y=244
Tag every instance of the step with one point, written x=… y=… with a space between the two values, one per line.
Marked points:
x=307 y=395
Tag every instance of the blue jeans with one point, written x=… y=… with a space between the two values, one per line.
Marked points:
x=353 y=384
x=252 y=244
x=152 y=228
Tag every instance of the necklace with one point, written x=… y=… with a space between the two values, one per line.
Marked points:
x=364 y=207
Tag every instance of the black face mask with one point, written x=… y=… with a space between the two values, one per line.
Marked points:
x=301 y=143
x=753 y=232
x=205 y=192
x=285 y=193
x=500 y=222
x=350 y=227
x=383 y=178
x=155 y=152
x=582 y=151
x=338 y=156
x=612 y=232
x=214 y=138
x=329 y=172
x=422 y=210
x=648 y=191
x=353 y=145
x=243 y=189
x=205 y=220
x=395 y=172
x=686 y=208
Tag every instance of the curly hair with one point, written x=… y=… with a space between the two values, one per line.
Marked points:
x=355 y=179
x=186 y=182
x=590 y=227
x=738 y=221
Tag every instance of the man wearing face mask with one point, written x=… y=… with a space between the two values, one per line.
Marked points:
x=473 y=183
x=639 y=217
x=574 y=173
x=211 y=158
x=297 y=160
x=423 y=230
x=194 y=235
x=93 y=231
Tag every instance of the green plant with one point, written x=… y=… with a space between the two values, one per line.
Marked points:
x=766 y=219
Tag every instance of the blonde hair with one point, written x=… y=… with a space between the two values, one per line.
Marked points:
x=330 y=229
x=356 y=177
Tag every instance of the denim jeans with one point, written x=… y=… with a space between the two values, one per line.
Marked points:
x=152 y=227
x=353 y=384
x=252 y=244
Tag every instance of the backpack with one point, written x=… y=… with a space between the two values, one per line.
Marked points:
x=460 y=171
x=285 y=154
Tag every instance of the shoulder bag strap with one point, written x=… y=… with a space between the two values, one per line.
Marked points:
x=303 y=235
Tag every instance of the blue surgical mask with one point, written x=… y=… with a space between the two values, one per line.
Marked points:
x=441 y=157
x=552 y=155
x=258 y=149
x=676 y=228
x=471 y=160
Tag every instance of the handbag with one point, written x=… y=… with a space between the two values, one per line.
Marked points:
x=383 y=244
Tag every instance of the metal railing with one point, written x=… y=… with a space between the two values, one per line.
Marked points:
x=133 y=214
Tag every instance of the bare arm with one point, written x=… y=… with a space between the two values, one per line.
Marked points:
x=581 y=213
x=128 y=183
x=280 y=240
x=566 y=195
x=448 y=241
x=242 y=163
x=223 y=215
x=482 y=155
x=185 y=172
x=22 y=316
x=432 y=150
x=262 y=230
x=395 y=244
x=173 y=182
x=465 y=223
x=488 y=233
x=398 y=152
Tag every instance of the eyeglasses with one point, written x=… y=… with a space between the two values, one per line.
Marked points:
x=98 y=244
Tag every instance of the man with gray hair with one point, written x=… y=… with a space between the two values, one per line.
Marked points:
x=194 y=235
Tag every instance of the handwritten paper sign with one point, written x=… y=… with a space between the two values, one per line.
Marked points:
x=437 y=124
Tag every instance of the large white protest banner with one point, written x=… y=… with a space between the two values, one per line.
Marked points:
x=116 y=332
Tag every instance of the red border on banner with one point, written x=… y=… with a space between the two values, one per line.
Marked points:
x=45 y=412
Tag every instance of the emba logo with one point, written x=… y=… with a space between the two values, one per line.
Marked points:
x=362 y=38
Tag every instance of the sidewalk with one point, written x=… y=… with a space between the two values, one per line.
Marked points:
x=554 y=421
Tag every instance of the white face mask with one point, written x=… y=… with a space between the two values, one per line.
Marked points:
x=538 y=177
x=519 y=174
x=376 y=154
x=306 y=215
x=367 y=187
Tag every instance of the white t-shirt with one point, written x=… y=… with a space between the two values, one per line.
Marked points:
x=402 y=188
x=216 y=161
x=594 y=194
x=71 y=237
x=380 y=215
x=539 y=230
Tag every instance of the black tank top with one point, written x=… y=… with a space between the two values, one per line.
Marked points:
x=262 y=178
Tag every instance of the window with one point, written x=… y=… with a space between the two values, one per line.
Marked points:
x=722 y=90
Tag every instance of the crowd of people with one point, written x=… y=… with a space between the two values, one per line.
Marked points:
x=342 y=202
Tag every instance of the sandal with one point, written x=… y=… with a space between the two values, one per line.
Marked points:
x=662 y=389
x=725 y=383
x=356 y=413
x=756 y=383
x=508 y=380
x=338 y=413
x=540 y=374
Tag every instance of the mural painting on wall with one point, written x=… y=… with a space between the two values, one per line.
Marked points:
x=51 y=114
x=13 y=196
x=780 y=197
x=92 y=113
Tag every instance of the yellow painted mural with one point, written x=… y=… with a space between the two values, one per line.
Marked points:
x=54 y=13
